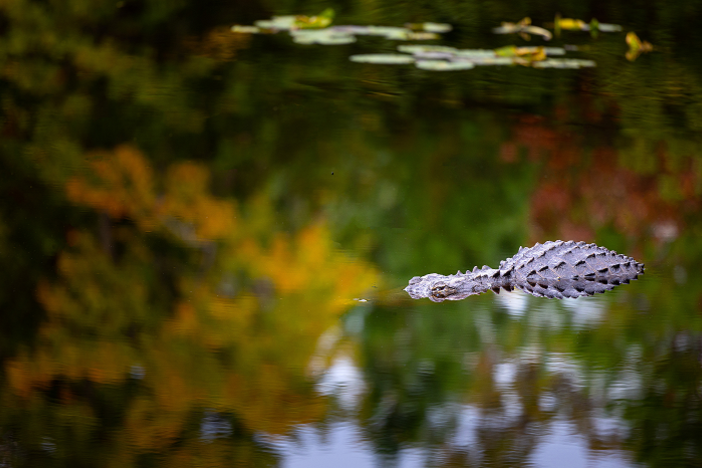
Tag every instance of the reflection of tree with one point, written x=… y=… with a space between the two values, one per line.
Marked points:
x=585 y=189
x=474 y=387
x=166 y=309
x=235 y=337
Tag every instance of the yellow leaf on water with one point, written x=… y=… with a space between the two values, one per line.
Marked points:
x=636 y=46
x=320 y=21
x=572 y=24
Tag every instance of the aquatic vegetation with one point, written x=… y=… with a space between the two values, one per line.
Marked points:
x=570 y=24
x=524 y=29
x=323 y=20
x=443 y=58
x=318 y=29
x=322 y=36
x=636 y=46
x=565 y=63
x=387 y=59
x=444 y=65
x=437 y=28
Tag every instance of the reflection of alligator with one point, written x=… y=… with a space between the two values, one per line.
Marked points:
x=553 y=269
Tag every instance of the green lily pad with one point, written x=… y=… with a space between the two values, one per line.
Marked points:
x=388 y=59
x=444 y=65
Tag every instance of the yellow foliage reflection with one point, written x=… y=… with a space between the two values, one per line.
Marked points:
x=236 y=335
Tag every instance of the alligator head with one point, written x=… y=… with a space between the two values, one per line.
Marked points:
x=439 y=288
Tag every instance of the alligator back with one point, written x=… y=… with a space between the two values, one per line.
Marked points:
x=569 y=269
x=554 y=269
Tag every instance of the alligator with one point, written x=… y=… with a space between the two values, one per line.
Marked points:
x=554 y=269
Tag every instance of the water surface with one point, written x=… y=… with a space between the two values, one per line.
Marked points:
x=206 y=236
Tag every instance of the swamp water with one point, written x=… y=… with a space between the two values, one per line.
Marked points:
x=206 y=233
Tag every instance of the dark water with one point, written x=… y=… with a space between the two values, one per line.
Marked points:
x=205 y=236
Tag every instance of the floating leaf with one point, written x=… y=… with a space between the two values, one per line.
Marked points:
x=486 y=61
x=434 y=55
x=636 y=46
x=537 y=31
x=321 y=36
x=564 y=63
x=438 y=28
x=530 y=53
x=352 y=29
x=389 y=59
x=320 y=21
x=279 y=23
x=609 y=27
x=573 y=24
x=523 y=28
x=509 y=28
x=507 y=51
x=554 y=51
x=502 y=56
x=415 y=49
x=475 y=53
x=390 y=32
x=443 y=65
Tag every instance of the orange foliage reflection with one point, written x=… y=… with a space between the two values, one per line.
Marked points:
x=237 y=335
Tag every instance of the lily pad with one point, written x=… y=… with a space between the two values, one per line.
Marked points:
x=444 y=65
x=434 y=56
x=438 y=28
x=474 y=53
x=323 y=20
x=282 y=23
x=564 y=63
x=494 y=61
x=321 y=36
x=390 y=32
x=554 y=51
x=421 y=36
x=609 y=27
x=417 y=49
x=352 y=29
x=524 y=29
x=388 y=59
